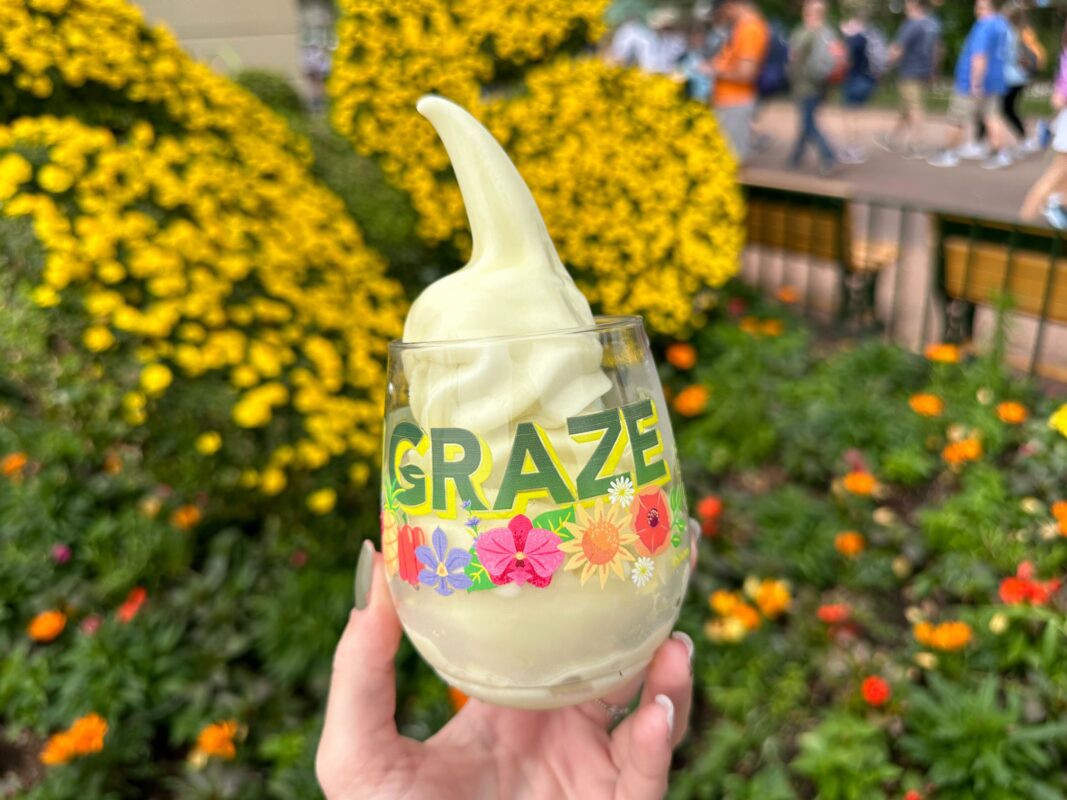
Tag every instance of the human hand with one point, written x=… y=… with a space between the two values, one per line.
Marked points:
x=488 y=751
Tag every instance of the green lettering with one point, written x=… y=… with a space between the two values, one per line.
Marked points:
x=589 y=483
x=458 y=471
x=411 y=477
x=643 y=441
x=546 y=477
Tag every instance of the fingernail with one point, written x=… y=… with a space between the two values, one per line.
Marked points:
x=668 y=706
x=364 y=574
x=694 y=529
x=684 y=638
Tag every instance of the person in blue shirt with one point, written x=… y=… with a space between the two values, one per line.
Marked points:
x=979 y=84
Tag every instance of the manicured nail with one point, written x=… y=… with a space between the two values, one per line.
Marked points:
x=684 y=638
x=668 y=706
x=364 y=574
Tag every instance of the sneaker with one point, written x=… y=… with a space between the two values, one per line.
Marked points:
x=1055 y=213
x=1030 y=146
x=946 y=158
x=915 y=153
x=999 y=161
x=974 y=151
x=883 y=141
x=852 y=155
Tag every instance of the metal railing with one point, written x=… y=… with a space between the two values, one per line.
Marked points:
x=914 y=275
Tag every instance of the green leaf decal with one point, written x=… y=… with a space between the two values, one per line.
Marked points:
x=678 y=515
x=555 y=520
x=480 y=580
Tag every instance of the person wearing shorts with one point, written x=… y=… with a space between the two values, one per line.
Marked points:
x=1046 y=195
x=979 y=83
x=914 y=52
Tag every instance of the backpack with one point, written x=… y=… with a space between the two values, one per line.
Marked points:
x=773 y=78
x=877 y=53
x=828 y=60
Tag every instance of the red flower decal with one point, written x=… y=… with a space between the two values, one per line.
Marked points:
x=652 y=522
x=408 y=564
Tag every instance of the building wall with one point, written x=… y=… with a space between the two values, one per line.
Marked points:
x=231 y=35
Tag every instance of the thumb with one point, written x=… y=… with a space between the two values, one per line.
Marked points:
x=362 y=701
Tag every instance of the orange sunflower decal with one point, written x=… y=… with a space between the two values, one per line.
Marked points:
x=600 y=542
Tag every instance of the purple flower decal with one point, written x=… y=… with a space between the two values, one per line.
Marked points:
x=443 y=569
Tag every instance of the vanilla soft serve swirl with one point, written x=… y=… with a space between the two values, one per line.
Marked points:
x=514 y=284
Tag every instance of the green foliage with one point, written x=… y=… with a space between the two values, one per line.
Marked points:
x=975 y=742
x=272 y=88
x=846 y=758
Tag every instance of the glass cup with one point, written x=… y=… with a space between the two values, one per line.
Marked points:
x=533 y=513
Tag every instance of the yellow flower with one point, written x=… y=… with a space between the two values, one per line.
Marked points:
x=272 y=481
x=1058 y=421
x=155 y=378
x=600 y=542
x=208 y=443
x=723 y=602
x=322 y=501
x=97 y=338
x=45 y=296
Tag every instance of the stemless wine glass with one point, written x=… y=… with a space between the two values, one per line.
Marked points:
x=533 y=513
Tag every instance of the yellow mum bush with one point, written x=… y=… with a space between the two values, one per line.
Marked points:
x=196 y=242
x=635 y=183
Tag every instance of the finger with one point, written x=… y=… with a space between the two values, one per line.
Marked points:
x=609 y=709
x=670 y=674
x=643 y=775
x=362 y=699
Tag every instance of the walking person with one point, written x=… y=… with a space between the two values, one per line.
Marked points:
x=979 y=84
x=815 y=56
x=736 y=68
x=1046 y=195
x=914 y=54
x=864 y=46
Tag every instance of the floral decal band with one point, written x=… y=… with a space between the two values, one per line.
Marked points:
x=618 y=536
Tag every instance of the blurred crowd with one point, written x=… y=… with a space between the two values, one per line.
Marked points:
x=733 y=58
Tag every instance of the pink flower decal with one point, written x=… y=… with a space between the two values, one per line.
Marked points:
x=519 y=553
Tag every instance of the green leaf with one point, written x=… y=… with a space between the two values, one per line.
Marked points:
x=480 y=580
x=555 y=520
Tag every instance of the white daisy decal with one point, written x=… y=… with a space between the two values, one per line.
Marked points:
x=621 y=490
x=641 y=571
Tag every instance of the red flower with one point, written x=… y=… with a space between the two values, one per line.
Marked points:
x=737 y=306
x=913 y=795
x=652 y=522
x=876 y=691
x=709 y=510
x=834 y=613
x=134 y=600
x=408 y=565
x=1024 y=589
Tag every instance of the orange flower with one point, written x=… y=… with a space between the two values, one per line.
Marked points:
x=927 y=405
x=850 y=543
x=773 y=598
x=709 y=509
x=112 y=463
x=876 y=691
x=1059 y=509
x=216 y=740
x=186 y=517
x=12 y=464
x=834 y=613
x=682 y=355
x=860 y=482
x=1012 y=413
x=83 y=737
x=947 y=636
x=788 y=295
x=750 y=325
x=747 y=615
x=960 y=452
x=47 y=625
x=772 y=327
x=132 y=604
x=457 y=698
x=723 y=602
x=692 y=400
x=943 y=353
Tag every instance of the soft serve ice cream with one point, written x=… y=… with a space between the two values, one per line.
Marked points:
x=533 y=518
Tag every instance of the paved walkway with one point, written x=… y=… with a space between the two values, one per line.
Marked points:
x=966 y=188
